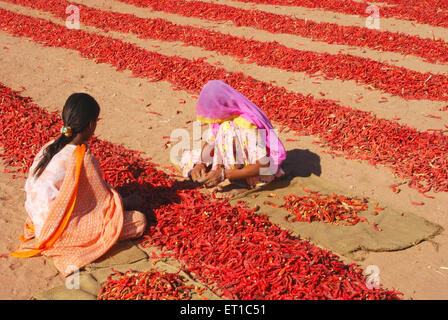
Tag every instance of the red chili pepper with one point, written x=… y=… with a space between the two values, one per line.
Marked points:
x=427 y=196
x=395 y=187
x=378 y=208
x=272 y=204
x=433 y=116
x=309 y=191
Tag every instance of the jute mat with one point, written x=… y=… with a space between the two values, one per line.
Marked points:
x=124 y=256
x=399 y=230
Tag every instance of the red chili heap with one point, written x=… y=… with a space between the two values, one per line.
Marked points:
x=240 y=253
x=334 y=209
x=394 y=80
x=418 y=157
x=427 y=12
x=430 y=49
x=150 y=285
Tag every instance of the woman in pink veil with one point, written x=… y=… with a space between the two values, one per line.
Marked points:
x=241 y=146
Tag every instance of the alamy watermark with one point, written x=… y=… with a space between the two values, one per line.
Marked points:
x=373 y=279
x=72 y=21
x=258 y=140
x=373 y=21
x=72 y=281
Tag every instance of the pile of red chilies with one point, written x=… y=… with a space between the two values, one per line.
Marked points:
x=247 y=257
x=425 y=12
x=239 y=252
x=430 y=49
x=333 y=209
x=430 y=4
x=420 y=157
x=388 y=78
x=149 y=285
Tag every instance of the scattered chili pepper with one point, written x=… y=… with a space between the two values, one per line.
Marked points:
x=309 y=191
x=378 y=208
x=395 y=187
x=417 y=203
x=335 y=209
x=433 y=116
x=270 y=203
x=428 y=196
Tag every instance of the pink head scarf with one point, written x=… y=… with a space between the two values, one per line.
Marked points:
x=219 y=102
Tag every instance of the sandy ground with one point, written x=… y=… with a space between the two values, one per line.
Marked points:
x=50 y=75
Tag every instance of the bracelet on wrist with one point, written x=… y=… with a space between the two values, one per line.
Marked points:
x=223 y=174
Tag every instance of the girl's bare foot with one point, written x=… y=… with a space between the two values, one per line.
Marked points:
x=132 y=201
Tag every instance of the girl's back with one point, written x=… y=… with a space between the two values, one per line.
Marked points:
x=42 y=190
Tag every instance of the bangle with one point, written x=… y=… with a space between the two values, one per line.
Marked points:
x=223 y=174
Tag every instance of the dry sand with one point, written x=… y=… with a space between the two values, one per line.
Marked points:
x=50 y=75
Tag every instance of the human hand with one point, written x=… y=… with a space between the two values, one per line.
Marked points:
x=198 y=172
x=213 y=178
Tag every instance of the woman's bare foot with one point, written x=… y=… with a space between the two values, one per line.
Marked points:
x=229 y=191
x=230 y=194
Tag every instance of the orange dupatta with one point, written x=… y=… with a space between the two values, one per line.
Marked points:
x=49 y=241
